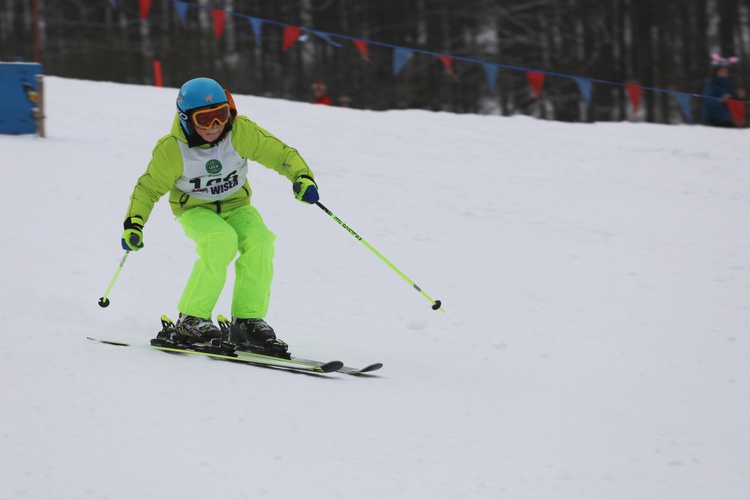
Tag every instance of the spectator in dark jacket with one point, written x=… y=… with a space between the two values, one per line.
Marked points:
x=715 y=111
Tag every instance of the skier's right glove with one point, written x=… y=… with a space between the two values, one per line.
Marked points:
x=132 y=238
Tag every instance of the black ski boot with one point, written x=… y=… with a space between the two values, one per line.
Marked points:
x=256 y=336
x=194 y=334
x=197 y=329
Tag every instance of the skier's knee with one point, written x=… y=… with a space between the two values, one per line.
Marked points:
x=266 y=238
x=262 y=238
x=221 y=244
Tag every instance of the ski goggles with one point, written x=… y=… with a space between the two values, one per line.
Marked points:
x=205 y=118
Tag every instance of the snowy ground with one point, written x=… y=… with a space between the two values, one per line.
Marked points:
x=595 y=345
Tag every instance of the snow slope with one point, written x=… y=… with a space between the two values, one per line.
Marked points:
x=595 y=345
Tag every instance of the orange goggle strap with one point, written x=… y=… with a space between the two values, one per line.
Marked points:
x=205 y=118
x=232 y=107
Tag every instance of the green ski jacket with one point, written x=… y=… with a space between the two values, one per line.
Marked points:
x=213 y=176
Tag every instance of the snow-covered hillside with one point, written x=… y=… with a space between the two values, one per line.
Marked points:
x=595 y=344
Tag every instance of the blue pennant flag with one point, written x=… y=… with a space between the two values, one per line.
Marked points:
x=182 y=9
x=683 y=100
x=113 y=3
x=257 y=25
x=584 y=85
x=491 y=71
x=400 y=57
x=327 y=38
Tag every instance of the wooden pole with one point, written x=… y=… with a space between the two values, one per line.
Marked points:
x=39 y=115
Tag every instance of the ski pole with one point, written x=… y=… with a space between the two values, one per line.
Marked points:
x=104 y=301
x=436 y=304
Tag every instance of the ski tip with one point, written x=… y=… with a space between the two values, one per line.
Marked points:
x=360 y=371
x=166 y=319
x=331 y=366
x=371 y=368
x=110 y=342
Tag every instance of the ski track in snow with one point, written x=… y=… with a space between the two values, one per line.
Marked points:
x=595 y=343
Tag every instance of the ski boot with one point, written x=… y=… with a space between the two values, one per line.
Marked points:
x=256 y=336
x=192 y=333
x=168 y=336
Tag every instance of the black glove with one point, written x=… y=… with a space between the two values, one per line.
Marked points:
x=132 y=238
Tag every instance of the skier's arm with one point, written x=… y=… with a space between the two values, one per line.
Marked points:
x=163 y=170
x=258 y=144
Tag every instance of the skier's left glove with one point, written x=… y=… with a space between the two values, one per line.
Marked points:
x=132 y=238
x=305 y=190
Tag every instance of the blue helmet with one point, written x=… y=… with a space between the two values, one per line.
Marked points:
x=195 y=94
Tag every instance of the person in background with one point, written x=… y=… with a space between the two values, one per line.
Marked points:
x=715 y=111
x=203 y=165
x=345 y=101
x=320 y=94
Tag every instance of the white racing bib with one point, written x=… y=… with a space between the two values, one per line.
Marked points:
x=213 y=173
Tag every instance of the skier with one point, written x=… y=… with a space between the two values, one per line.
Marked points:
x=203 y=164
x=716 y=113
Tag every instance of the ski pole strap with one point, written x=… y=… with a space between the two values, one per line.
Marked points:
x=436 y=304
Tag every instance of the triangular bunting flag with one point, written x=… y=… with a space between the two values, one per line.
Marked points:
x=113 y=3
x=257 y=26
x=182 y=9
x=634 y=94
x=220 y=18
x=144 y=7
x=683 y=100
x=536 y=80
x=362 y=47
x=400 y=57
x=291 y=34
x=584 y=85
x=738 y=109
x=491 y=71
x=327 y=38
x=448 y=65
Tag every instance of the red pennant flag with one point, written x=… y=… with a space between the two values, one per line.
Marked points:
x=536 y=80
x=220 y=17
x=291 y=34
x=362 y=47
x=144 y=7
x=634 y=93
x=738 y=110
x=157 y=73
x=448 y=65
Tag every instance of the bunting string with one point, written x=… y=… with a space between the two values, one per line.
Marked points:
x=401 y=56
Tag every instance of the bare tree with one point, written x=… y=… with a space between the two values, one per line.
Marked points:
x=663 y=44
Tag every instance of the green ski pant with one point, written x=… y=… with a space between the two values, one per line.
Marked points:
x=218 y=238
